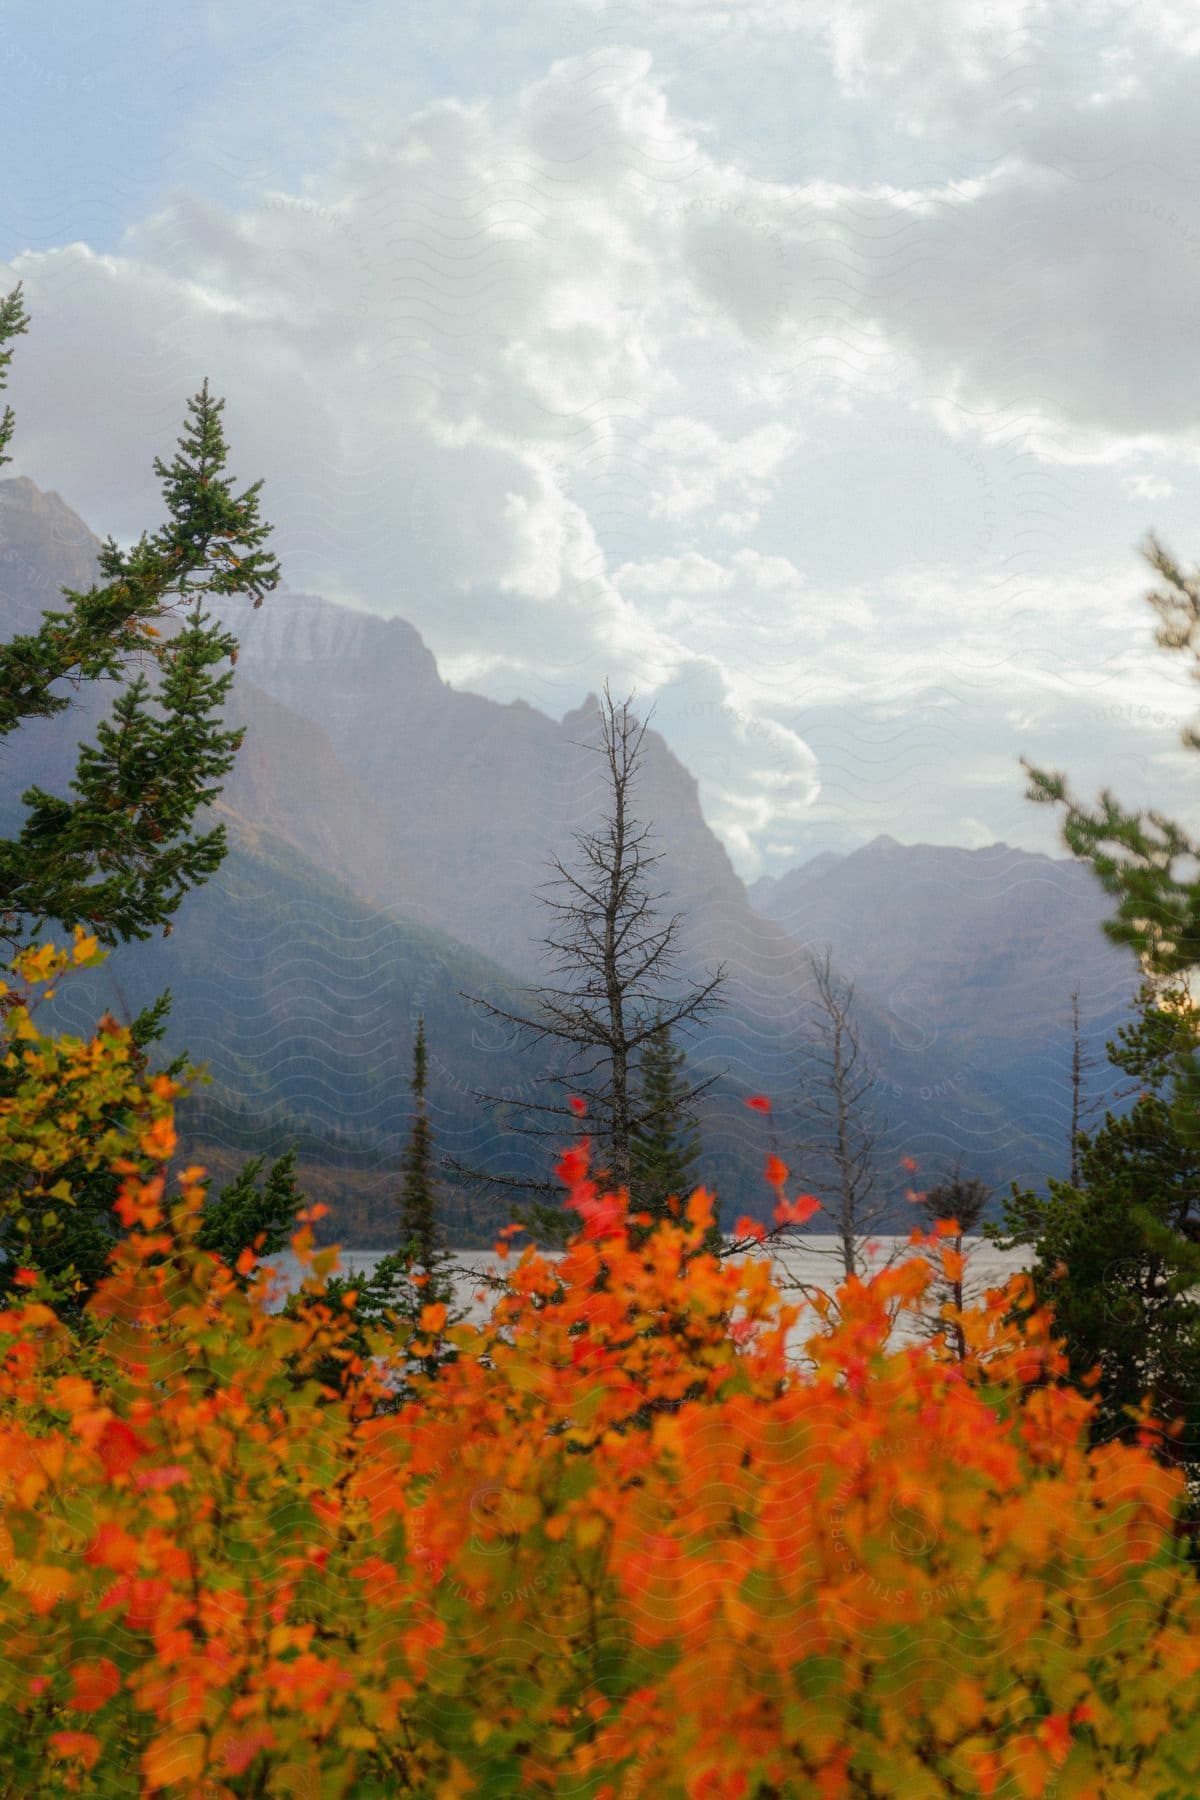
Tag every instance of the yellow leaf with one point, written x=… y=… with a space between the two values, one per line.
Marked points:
x=589 y=1531
x=459 y=1783
x=357 y=1737
x=171 y=1759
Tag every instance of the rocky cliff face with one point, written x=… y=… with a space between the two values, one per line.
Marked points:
x=475 y=797
x=287 y=778
x=44 y=547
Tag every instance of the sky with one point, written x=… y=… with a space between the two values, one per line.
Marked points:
x=814 y=372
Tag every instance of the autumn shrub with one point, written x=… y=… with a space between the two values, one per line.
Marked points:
x=623 y=1543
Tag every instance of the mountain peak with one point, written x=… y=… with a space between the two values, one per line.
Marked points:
x=44 y=547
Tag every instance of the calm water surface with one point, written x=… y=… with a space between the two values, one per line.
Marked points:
x=795 y=1267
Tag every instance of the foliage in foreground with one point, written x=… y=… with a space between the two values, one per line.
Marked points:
x=617 y=1545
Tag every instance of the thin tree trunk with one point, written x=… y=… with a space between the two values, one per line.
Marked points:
x=614 y=989
x=1076 y=1085
x=849 y=1257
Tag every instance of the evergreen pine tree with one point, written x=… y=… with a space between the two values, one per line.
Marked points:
x=388 y=1293
x=665 y=1140
x=245 y=1216
x=420 y=1237
x=1145 y=860
x=118 y=853
x=14 y=322
x=1118 y=1255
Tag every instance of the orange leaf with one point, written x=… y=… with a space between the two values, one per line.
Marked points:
x=170 y=1759
x=776 y=1170
x=158 y=1140
x=700 y=1207
x=954 y=1265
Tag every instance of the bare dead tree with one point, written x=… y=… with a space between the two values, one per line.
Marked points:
x=838 y=1153
x=613 y=962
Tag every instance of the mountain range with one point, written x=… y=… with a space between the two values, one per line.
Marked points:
x=390 y=836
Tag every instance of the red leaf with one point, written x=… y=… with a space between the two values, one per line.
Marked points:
x=577 y=1106
x=759 y=1103
x=83 y=1744
x=239 y=1748
x=776 y=1170
x=798 y=1211
x=1056 y=1735
x=154 y=1479
x=95 y=1683
x=573 y=1164
x=752 y=1228
x=119 y=1447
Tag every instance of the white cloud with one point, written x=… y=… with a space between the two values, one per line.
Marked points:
x=1148 y=487
x=542 y=366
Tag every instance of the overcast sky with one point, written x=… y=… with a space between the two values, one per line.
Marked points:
x=814 y=369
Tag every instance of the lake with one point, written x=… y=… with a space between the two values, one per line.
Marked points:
x=794 y=1264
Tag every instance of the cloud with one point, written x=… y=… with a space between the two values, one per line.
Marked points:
x=541 y=365
x=1148 y=487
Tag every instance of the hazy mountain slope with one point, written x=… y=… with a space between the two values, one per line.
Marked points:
x=970 y=957
x=303 y=1001
x=973 y=950
x=286 y=777
x=469 y=785
x=445 y=808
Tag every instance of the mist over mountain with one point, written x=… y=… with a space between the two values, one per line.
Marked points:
x=955 y=939
x=438 y=811
x=466 y=785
